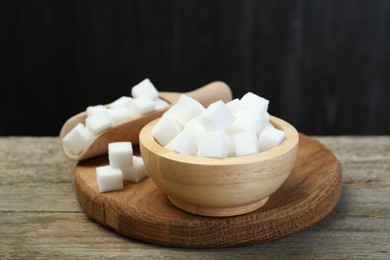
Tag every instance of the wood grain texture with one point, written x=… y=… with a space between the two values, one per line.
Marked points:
x=41 y=218
x=143 y=212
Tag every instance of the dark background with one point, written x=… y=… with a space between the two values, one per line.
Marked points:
x=324 y=65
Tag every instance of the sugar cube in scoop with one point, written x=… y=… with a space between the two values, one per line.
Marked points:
x=98 y=123
x=144 y=89
x=77 y=138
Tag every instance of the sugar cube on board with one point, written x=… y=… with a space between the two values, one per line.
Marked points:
x=143 y=105
x=254 y=103
x=213 y=144
x=97 y=123
x=109 y=179
x=185 y=109
x=120 y=154
x=246 y=143
x=137 y=172
x=270 y=137
x=217 y=117
x=185 y=142
x=77 y=139
x=165 y=130
x=94 y=110
x=145 y=89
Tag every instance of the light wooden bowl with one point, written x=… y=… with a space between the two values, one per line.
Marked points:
x=219 y=187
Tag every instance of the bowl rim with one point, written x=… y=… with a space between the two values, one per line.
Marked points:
x=290 y=141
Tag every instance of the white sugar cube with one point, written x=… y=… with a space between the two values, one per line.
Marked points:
x=217 y=117
x=246 y=143
x=185 y=142
x=194 y=126
x=231 y=146
x=119 y=114
x=254 y=103
x=143 y=105
x=233 y=105
x=97 y=109
x=247 y=121
x=137 y=172
x=123 y=101
x=94 y=110
x=109 y=179
x=120 y=154
x=270 y=137
x=160 y=104
x=185 y=109
x=77 y=139
x=97 y=123
x=165 y=130
x=144 y=89
x=213 y=144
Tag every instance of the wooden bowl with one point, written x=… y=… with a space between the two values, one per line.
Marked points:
x=219 y=187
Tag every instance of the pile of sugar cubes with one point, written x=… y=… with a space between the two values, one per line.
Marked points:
x=123 y=165
x=99 y=118
x=239 y=127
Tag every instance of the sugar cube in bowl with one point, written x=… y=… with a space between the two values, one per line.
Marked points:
x=220 y=187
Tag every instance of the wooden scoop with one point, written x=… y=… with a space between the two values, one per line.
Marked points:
x=129 y=130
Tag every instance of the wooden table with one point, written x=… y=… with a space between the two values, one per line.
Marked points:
x=41 y=218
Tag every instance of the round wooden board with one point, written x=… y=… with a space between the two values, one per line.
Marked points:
x=141 y=211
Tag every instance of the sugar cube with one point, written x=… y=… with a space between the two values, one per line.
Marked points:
x=217 y=117
x=194 y=126
x=270 y=137
x=254 y=103
x=120 y=154
x=160 y=104
x=137 y=172
x=119 y=114
x=123 y=101
x=233 y=105
x=185 y=109
x=77 y=139
x=185 y=142
x=247 y=121
x=98 y=123
x=143 y=105
x=246 y=143
x=165 y=130
x=94 y=110
x=145 y=89
x=213 y=144
x=108 y=178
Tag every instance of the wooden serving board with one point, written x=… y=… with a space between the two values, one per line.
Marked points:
x=141 y=211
